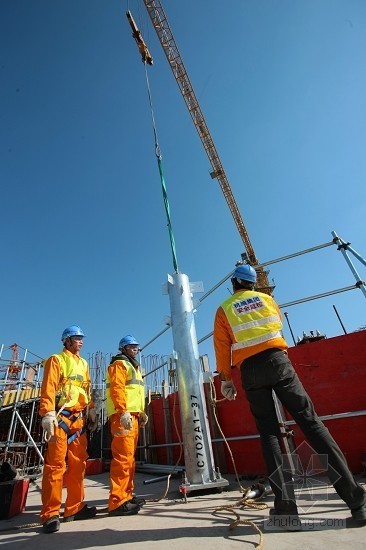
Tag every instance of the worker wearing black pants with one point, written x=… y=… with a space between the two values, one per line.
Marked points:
x=248 y=335
x=272 y=370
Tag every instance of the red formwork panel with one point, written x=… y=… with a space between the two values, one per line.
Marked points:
x=236 y=421
x=333 y=371
x=156 y=419
x=159 y=422
x=176 y=429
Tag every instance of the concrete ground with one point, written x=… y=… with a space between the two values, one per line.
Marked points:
x=169 y=521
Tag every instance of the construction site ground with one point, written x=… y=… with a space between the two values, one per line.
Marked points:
x=171 y=522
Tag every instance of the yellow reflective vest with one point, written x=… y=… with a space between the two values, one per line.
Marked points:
x=134 y=389
x=74 y=384
x=253 y=318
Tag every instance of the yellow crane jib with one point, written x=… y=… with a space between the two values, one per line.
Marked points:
x=143 y=49
x=164 y=33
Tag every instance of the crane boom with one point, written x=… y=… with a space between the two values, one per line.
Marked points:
x=166 y=38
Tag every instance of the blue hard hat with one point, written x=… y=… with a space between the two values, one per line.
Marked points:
x=127 y=340
x=245 y=272
x=73 y=330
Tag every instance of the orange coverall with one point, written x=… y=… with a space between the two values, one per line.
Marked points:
x=124 y=443
x=58 y=449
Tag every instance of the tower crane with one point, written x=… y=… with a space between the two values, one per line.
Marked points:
x=166 y=38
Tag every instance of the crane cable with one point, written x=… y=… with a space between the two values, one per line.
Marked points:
x=163 y=186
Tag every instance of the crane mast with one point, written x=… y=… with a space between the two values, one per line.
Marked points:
x=166 y=38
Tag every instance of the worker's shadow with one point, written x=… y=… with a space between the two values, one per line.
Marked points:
x=110 y=537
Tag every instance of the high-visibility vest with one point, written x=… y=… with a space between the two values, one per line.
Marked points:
x=134 y=388
x=74 y=386
x=253 y=318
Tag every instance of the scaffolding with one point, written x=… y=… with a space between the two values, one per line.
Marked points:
x=20 y=424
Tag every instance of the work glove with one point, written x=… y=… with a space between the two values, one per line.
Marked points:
x=49 y=423
x=228 y=389
x=143 y=419
x=126 y=420
x=92 y=421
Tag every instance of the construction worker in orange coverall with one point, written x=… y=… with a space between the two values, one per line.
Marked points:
x=125 y=401
x=66 y=409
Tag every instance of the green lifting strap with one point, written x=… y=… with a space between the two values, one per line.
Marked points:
x=167 y=210
x=163 y=186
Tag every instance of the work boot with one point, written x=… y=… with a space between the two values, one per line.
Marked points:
x=51 y=525
x=87 y=512
x=285 y=520
x=140 y=501
x=285 y=507
x=359 y=514
x=128 y=508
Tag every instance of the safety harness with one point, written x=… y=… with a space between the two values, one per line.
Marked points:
x=72 y=417
x=72 y=383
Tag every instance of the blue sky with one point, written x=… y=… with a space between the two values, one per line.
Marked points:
x=282 y=85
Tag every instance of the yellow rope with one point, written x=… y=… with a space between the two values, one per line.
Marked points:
x=16 y=527
x=244 y=501
x=214 y=402
x=239 y=521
